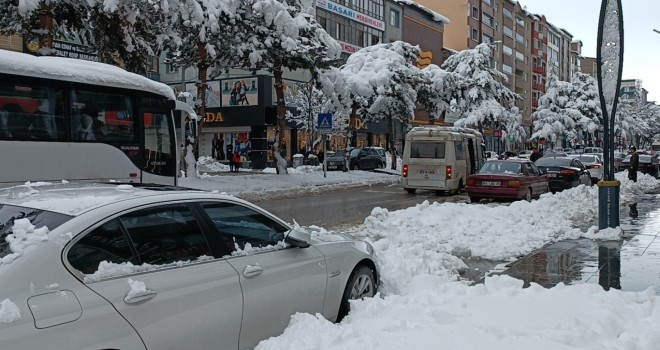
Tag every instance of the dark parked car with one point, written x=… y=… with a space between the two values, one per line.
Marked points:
x=647 y=164
x=564 y=172
x=507 y=179
x=365 y=159
x=337 y=161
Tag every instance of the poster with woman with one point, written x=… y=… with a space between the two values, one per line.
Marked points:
x=240 y=92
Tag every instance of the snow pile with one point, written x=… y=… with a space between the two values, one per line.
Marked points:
x=137 y=288
x=9 y=312
x=499 y=315
x=109 y=269
x=407 y=246
x=23 y=236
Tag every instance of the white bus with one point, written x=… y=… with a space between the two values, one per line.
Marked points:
x=66 y=119
x=441 y=158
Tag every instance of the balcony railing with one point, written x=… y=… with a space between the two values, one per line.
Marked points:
x=539 y=70
x=538 y=87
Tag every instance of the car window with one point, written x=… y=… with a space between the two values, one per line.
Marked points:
x=166 y=234
x=501 y=168
x=354 y=152
x=536 y=169
x=588 y=159
x=459 y=151
x=434 y=150
x=105 y=243
x=38 y=218
x=244 y=226
x=576 y=163
x=530 y=170
x=550 y=161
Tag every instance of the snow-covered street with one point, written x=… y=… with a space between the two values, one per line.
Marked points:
x=423 y=304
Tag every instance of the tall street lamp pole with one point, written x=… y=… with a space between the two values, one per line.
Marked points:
x=609 y=68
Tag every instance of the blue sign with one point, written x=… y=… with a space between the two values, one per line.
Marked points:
x=324 y=121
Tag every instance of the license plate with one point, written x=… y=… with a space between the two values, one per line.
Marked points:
x=427 y=172
x=490 y=183
x=552 y=174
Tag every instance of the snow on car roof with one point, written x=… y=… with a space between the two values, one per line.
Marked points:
x=76 y=198
x=79 y=71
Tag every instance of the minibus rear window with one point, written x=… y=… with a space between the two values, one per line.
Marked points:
x=427 y=150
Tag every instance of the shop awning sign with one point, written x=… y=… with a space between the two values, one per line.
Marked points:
x=324 y=122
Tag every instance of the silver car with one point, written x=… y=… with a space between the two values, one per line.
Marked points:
x=119 y=267
x=594 y=164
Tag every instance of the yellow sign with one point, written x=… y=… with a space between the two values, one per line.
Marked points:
x=214 y=117
x=425 y=59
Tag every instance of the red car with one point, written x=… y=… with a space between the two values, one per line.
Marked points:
x=507 y=179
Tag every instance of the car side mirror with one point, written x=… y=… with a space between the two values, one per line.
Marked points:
x=298 y=237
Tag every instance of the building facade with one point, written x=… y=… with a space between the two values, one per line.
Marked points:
x=588 y=66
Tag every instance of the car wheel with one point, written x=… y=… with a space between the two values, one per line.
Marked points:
x=475 y=199
x=361 y=284
x=411 y=190
x=528 y=196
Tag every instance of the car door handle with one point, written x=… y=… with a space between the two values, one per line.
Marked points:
x=252 y=270
x=149 y=294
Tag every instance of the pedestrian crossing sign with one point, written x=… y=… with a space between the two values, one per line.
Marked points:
x=324 y=122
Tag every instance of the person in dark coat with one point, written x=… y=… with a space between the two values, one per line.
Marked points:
x=634 y=164
x=535 y=155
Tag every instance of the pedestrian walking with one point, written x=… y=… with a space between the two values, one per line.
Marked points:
x=535 y=155
x=236 y=160
x=634 y=164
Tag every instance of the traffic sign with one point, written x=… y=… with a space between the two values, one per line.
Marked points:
x=324 y=122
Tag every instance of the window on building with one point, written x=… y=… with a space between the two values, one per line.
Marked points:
x=169 y=64
x=555 y=40
x=507 y=50
x=507 y=13
x=554 y=55
x=488 y=20
x=520 y=56
x=488 y=2
x=475 y=34
x=488 y=39
x=520 y=38
x=395 y=20
x=507 y=69
x=508 y=32
x=475 y=13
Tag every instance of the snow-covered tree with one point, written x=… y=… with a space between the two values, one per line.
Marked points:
x=480 y=97
x=632 y=119
x=555 y=117
x=279 y=34
x=327 y=94
x=585 y=99
x=512 y=126
x=436 y=94
x=43 y=19
x=383 y=79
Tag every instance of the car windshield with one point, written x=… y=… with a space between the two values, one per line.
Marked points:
x=554 y=162
x=339 y=154
x=38 y=218
x=427 y=150
x=501 y=168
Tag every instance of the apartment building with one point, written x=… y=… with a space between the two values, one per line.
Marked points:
x=629 y=88
x=588 y=66
x=576 y=57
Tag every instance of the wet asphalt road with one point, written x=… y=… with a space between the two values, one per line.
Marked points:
x=349 y=208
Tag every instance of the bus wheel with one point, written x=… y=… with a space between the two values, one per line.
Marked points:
x=475 y=199
x=460 y=186
x=411 y=190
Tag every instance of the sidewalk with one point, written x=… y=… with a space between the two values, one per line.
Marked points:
x=631 y=264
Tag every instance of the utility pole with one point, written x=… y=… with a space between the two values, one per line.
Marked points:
x=609 y=68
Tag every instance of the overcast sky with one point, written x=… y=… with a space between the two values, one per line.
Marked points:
x=641 y=43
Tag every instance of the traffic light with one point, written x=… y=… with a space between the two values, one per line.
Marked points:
x=424 y=59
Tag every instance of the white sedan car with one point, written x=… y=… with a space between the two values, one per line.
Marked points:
x=94 y=266
x=594 y=164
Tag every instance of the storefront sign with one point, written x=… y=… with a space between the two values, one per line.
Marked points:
x=348 y=48
x=63 y=49
x=214 y=117
x=349 y=13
